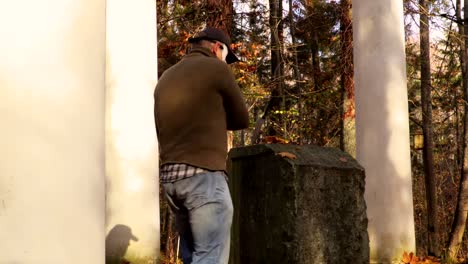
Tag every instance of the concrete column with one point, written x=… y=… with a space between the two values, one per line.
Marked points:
x=382 y=127
x=52 y=131
x=132 y=223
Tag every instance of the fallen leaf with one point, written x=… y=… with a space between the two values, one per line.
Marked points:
x=406 y=257
x=287 y=155
x=343 y=159
x=432 y=260
x=414 y=260
x=274 y=139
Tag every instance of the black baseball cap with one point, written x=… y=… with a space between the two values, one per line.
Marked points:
x=210 y=33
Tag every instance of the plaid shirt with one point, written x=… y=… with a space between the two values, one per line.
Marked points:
x=178 y=171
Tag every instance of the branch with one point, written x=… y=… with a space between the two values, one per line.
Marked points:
x=454 y=19
x=416 y=121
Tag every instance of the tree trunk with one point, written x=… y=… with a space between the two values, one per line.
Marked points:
x=461 y=32
x=430 y=178
x=458 y=227
x=297 y=74
x=348 y=123
x=317 y=114
x=314 y=48
x=292 y=30
x=220 y=14
x=277 y=101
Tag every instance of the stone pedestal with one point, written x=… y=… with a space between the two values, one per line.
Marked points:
x=297 y=204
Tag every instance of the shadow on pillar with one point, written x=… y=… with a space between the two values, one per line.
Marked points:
x=117 y=242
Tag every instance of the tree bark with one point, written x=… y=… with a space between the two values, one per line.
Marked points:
x=297 y=74
x=428 y=159
x=292 y=30
x=314 y=48
x=348 y=122
x=277 y=101
x=220 y=14
x=461 y=32
x=316 y=80
x=458 y=226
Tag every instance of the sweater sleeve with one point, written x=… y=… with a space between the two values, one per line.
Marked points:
x=237 y=116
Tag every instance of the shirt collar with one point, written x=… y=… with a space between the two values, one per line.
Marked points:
x=201 y=50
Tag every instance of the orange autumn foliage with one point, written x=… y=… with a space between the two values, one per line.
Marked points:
x=412 y=259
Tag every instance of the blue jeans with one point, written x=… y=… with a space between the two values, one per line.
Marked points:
x=203 y=212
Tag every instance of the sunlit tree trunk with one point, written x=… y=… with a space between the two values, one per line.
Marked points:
x=348 y=123
x=431 y=195
x=458 y=227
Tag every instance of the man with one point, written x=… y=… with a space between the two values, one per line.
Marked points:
x=196 y=102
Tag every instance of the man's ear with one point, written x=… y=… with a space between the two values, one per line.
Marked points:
x=214 y=47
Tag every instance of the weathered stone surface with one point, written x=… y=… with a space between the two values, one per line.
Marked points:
x=306 y=210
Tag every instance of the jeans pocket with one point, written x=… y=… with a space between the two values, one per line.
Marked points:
x=193 y=191
x=196 y=191
x=223 y=196
x=168 y=193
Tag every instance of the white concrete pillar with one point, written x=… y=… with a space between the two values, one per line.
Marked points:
x=52 y=66
x=382 y=126
x=131 y=147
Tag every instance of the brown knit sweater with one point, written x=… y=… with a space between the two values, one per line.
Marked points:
x=196 y=102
